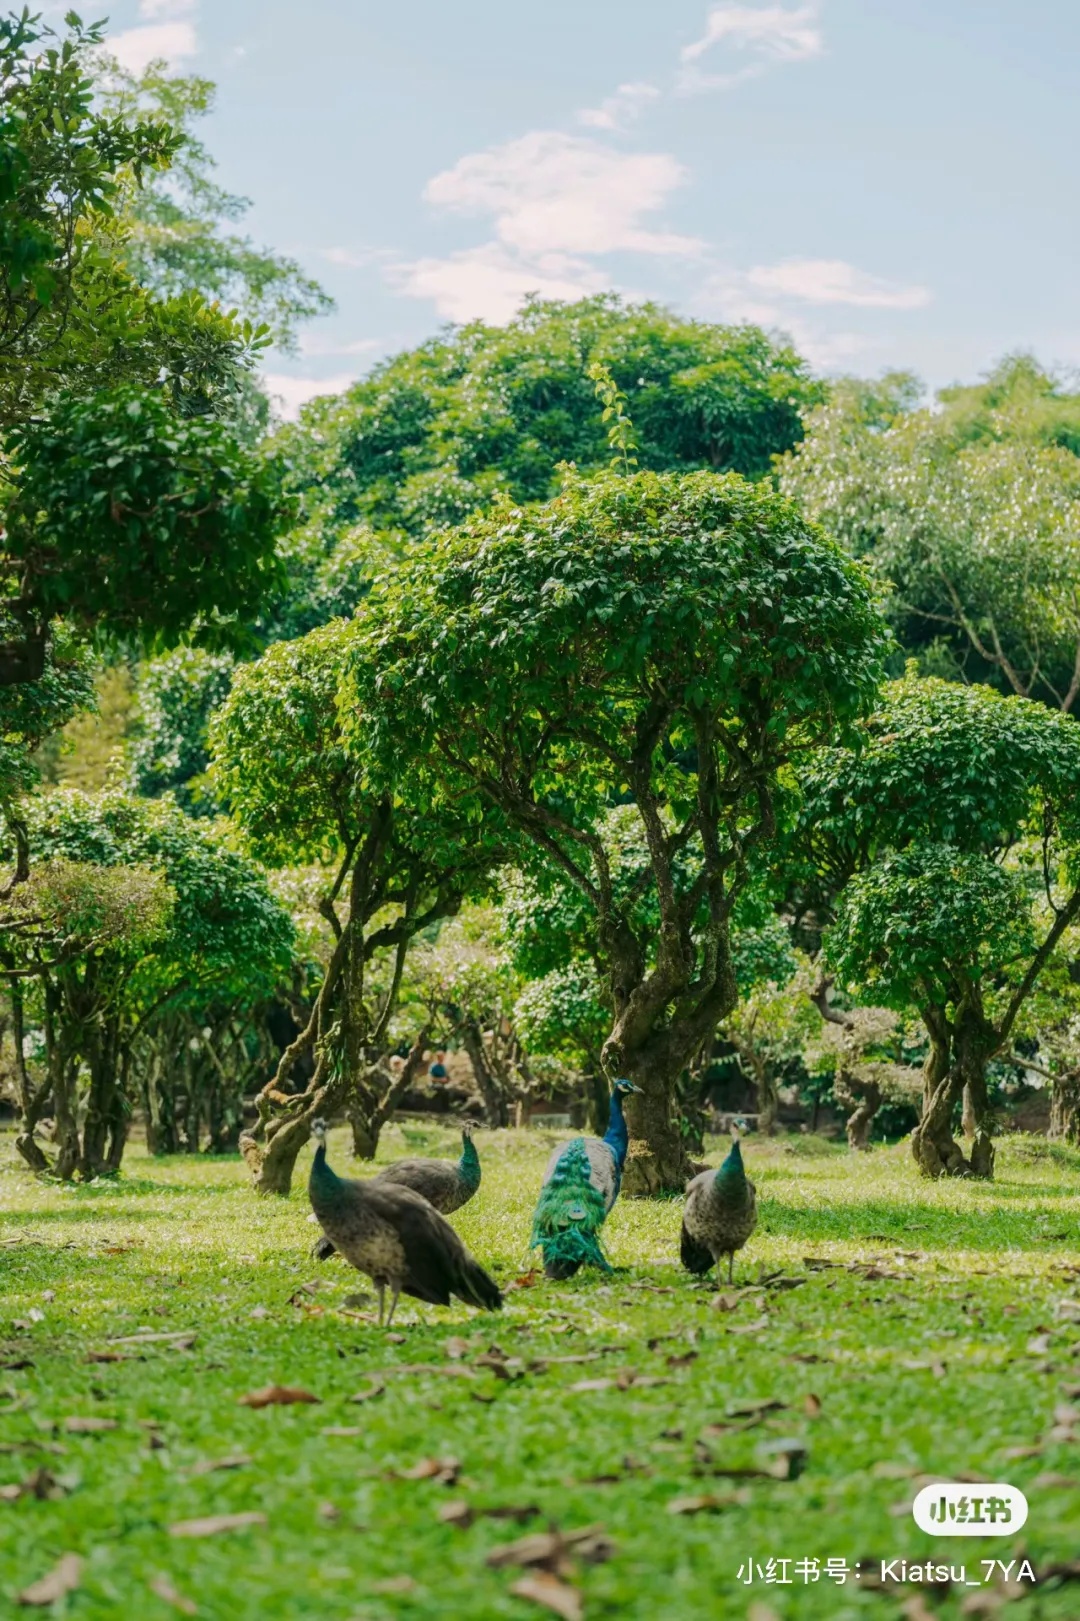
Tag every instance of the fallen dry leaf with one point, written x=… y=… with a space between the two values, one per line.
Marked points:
x=210 y=1466
x=277 y=1396
x=583 y=1386
x=683 y=1359
x=375 y=1388
x=443 y=1471
x=527 y=1280
x=761 y=1612
x=512 y=1511
x=394 y=1584
x=456 y=1347
x=457 y=1513
x=343 y=1429
x=705 y=1503
x=1053 y=1482
x=551 y=1548
x=755 y=1327
x=394 y=1339
x=214 y=1524
x=812 y=1405
x=1039 y=1345
x=163 y=1587
x=725 y=1302
x=329 y=1513
x=988 y=1603
x=552 y=1594
x=753 y=1409
x=64 y=1578
x=916 y=1609
x=42 y=1484
x=89 y=1426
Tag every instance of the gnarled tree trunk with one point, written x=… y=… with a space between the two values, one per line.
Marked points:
x=1065 y=1106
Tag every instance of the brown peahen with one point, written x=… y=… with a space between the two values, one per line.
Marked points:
x=397 y=1238
x=720 y=1213
x=446 y=1184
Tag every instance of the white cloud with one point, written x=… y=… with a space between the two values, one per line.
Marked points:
x=556 y=202
x=135 y=48
x=356 y=258
x=489 y=283
x=767 y=35
x=289 y=393
x=167 y=8
x=833 y=281
x=555 y=193
x=329 y=346
x=616 y=111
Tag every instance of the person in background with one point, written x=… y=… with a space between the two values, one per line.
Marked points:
x=437 y=1070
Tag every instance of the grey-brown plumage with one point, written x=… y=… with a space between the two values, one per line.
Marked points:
x=446 y=1184
x=397 y=1238
x=720 y=1214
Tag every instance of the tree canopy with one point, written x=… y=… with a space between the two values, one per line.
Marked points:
x=972 y=512
x=948 y=843
x=667 y=639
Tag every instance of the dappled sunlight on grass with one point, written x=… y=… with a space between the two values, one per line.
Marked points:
x=932 y=1323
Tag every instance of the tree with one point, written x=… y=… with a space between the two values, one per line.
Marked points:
x=435 y=433
x=175 y=695
x=298 y=784
x=949 y=837
x=668 y=641
x=132 y=909
x=971 y=511
x=177 y=222
x=72 y=317
x=127 y=520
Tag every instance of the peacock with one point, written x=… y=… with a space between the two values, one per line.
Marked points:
x=446 y=1184
x=396 y=1237
x=581 y=1183
x=720 y=1213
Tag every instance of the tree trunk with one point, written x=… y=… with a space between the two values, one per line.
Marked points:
x=956 y=1063
x=495 y=1102
x=865 y=1094
x=370 y=1112
x=768 y=1094
x=1065 y=1106
x=657 y=1161
x=31 y=1106
x=932 y=1144
x=597 y=1101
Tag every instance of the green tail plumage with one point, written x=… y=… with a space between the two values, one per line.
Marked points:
x=569 y=1215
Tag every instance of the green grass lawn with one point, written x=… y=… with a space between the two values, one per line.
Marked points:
x=944 y=1332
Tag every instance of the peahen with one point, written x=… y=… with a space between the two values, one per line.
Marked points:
x=720 y=1213
x=581 y=1183
x=396 y=1237
x=446 y=1184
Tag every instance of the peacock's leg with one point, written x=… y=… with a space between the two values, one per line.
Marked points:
x=380 y=1289
x=730 y=1264
x=395 y=1291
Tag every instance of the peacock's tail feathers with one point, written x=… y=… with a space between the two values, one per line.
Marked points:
x=693 y=1254
x=569 y=1215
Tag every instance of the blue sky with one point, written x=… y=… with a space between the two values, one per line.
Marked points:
x=889 y=181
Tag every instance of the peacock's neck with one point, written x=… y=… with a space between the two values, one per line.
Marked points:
x=730 y=1179
x=469 y=1164
x=322 y=1176
x=617 y=1136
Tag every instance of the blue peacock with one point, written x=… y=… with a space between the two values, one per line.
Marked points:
x=581 y=1183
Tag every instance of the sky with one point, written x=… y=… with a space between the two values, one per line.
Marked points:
x=889 y=182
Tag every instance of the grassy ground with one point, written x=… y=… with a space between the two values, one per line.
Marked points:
x=937 y=1360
